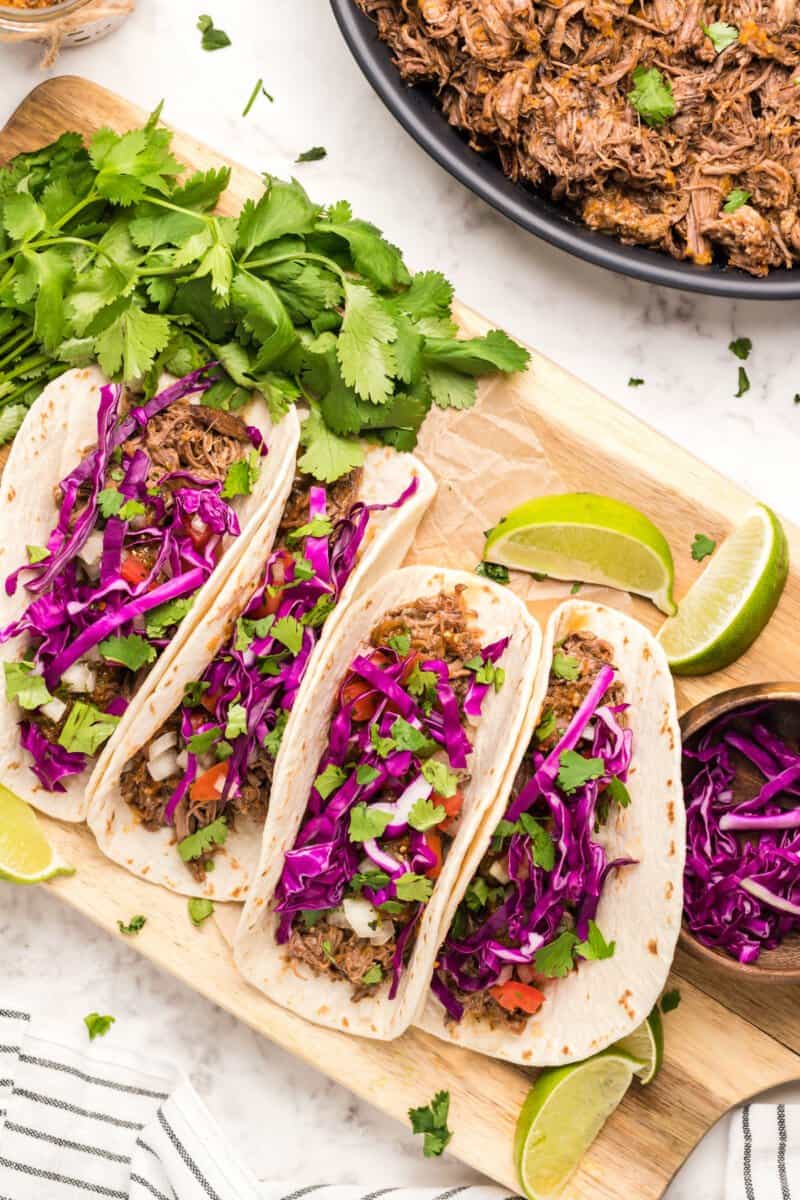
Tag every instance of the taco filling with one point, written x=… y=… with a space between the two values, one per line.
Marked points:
x=212 y=760
x=386 y=802
x=528 y=913
x=143 y=520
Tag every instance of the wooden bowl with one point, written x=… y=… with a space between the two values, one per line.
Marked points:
x=781 y=965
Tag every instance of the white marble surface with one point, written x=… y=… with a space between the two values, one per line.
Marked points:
x=290 y=1122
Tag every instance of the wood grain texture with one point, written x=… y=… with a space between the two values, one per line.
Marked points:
x=724 y=1044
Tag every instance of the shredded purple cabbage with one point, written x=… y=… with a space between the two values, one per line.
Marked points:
x=537 y=901
x=742 y=877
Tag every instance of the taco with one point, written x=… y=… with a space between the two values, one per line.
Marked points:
x=562 y=930
x=185 y=795
x=119 y=517
x=390 y=762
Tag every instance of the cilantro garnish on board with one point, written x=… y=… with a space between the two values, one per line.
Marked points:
x=98 y=1025
x=112 y=253
x=702 y=547
x=431 y=1121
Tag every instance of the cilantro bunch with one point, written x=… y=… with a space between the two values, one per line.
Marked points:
x=109 y=254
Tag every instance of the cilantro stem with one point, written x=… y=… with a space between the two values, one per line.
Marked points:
x=12 y=346
x=328 y=263
x=73 y=212
x=31 y=364
x=23 y=387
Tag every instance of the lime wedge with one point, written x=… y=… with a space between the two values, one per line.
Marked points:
x=647 y=1044
x=565 y=1110
x=26 y=856
x=593 y=539
x=729 y=605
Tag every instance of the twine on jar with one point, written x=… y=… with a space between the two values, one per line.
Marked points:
x=61 y=28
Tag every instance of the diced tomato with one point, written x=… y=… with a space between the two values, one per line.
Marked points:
x=272 y=593
x=209 y=785
x=199 y=537
x=356 y=692
x=434 y=843
x=513 y=995
x=452 y=806
x=133 y=570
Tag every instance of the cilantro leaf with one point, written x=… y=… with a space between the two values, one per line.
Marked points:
x=312 y=155
x=367 y=823
x=194 y=692
x=670 y=1000
x=450 y=388
x=565 y=666
x=383 y=746
x=236 y=723
x=199 y=909
x=595 y=947
x=546 y=727
x=86 y=728
x=134 y=925
x=97 y=1025
x=330 y=780
x=289 y=632
x=364 y=345
x=741 y=347
x=425 y=814
x=400 y=643
x=486 y=672
x=366 y=774
x=201 y=743
x=131 y=341
x=618 y=792
x=371 y=878
x=495 y=571
x=721 y=35
x=555 y=960
x=736 y=198
x=574 y=770
x=172 y=612
x=109 y=501
x=442 y=779
x=249 y=630
x=542 y=846
x=132 y=651
x=373 y=974
x=475 y=356
x=702 y=547
x=241 y=475
x=272 y=742
x=407 y=737
x=25 y=685
x=413 y=887
x=198 y=844
x=327 y=456
x=431 y=1121
x=318 y=528
x=744 y=383
x=651 y=96
x=213 y=38
x=634 y=381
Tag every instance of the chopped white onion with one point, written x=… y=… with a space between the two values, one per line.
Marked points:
x=91 y=551
x=78 y=678
x=336 y=917
x=165 y=742
x=183 y=759
x=499 y=871
x=162 y=767
x=54 y=709
x=366 y=922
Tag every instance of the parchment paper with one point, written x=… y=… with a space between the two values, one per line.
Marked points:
x=487 y=460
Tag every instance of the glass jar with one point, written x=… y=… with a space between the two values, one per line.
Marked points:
x=65 y=22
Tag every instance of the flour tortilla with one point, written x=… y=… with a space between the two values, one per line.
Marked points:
x=640 y=908
x=152 y=854
x=260 y=959
x=58 y=431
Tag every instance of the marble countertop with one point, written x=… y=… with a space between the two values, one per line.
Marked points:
x=290 y=1122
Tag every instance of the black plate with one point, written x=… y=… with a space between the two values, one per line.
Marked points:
x=416 y=111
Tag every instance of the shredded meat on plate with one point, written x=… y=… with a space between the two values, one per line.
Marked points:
x=547 y=87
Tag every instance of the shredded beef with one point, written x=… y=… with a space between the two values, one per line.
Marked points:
x=149 y=798
x=546 y=85
x=340 y=498
x=329 y=950
x=439 y=627
x=191 y=437
x=481 y=1006
x=565 y=696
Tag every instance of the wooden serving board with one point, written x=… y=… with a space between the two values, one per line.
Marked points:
x=723 y=1044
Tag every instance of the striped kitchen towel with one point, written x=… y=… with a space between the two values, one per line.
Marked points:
x=764 y=1153
x=79 y=1119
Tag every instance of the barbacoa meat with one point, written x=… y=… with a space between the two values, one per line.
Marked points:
x=546 y=85
x=329 y=950
x=191 y=437
x=340 y=498
x=439 y=627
